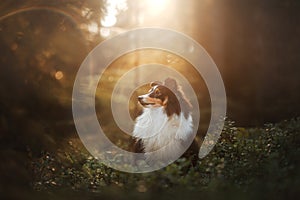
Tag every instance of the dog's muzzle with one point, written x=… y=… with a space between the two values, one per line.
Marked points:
x=142 y=101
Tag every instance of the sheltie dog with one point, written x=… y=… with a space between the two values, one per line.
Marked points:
x=164 y=130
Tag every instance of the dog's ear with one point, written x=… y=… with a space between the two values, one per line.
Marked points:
x=155 y=83
x=171 y=83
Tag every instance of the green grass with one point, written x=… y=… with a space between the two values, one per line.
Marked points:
x=246 y=162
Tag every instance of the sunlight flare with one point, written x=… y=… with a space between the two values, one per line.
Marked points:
x=111 y=10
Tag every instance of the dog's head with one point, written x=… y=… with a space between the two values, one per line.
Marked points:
x=167 y=95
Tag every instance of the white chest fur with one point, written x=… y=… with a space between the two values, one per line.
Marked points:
x=158 y=131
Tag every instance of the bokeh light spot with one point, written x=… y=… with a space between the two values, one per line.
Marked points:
x=59 y=75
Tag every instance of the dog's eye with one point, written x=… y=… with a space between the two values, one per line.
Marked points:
x=157 y=92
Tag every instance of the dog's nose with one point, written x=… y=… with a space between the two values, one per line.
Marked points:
x=140 y=98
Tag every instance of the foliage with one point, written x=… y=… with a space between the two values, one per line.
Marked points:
x=40 y=38
x=262 y=161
